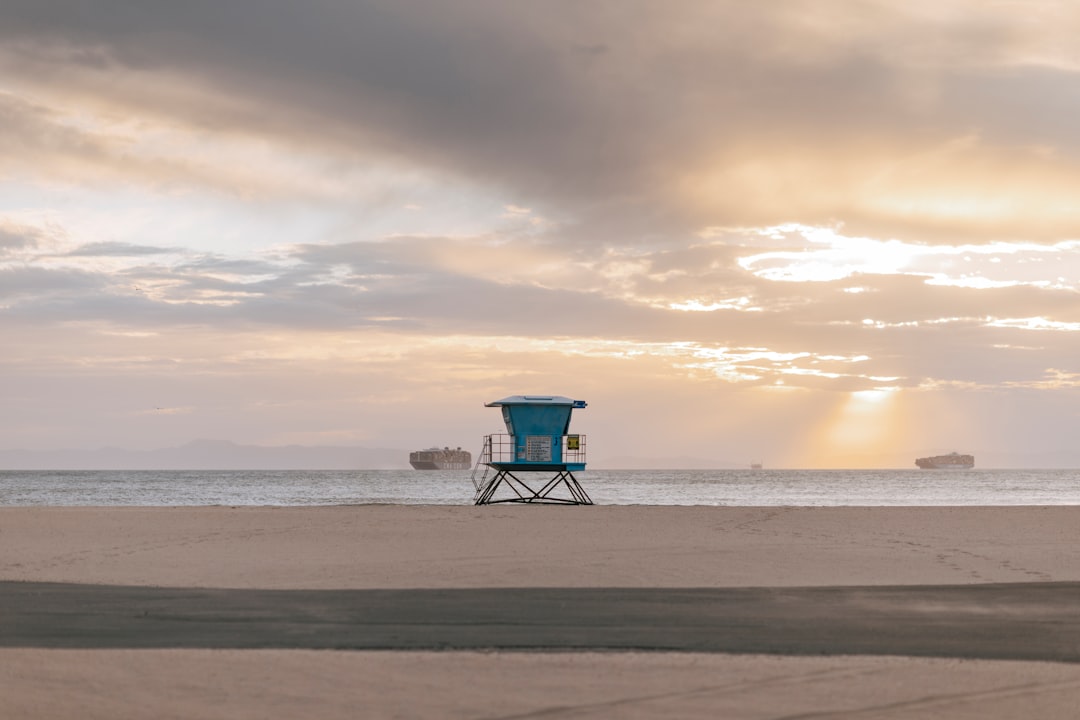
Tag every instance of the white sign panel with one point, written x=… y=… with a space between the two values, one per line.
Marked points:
x=538 y=448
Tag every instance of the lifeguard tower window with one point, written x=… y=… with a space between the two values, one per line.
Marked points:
x=508 y=420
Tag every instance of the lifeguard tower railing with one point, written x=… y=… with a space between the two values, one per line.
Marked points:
x=502 y=449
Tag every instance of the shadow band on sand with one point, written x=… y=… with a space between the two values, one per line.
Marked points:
x=1023 y=621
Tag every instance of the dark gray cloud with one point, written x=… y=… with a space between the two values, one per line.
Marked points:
x=30 y=286
x=1027 y=106
x=119 y=249
x=30 y=129
x=605 y=110
x=12 y=239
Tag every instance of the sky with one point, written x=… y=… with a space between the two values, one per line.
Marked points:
x=811 y=234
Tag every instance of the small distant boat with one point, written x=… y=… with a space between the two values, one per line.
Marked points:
x=755 y=466
x=952 y=461
x=441 y=459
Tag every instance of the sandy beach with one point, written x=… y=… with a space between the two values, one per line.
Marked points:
x=402 y=611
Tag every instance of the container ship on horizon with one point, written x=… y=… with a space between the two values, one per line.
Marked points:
x=952 y=461
x=441 y=459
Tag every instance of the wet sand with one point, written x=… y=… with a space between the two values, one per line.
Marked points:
x=1022 y=621
x=755 y=612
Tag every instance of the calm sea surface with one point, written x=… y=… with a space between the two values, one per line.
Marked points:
x=607 y=487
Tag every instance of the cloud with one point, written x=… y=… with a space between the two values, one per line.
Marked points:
x=898 y=330
x=37 y=284
x=717 y=114
x=15 y=238
x=773 y=199
x=119 y=249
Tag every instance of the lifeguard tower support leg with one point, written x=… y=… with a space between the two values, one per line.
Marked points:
x=524 y=493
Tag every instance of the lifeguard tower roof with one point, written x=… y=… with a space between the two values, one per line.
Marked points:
x=537 y=400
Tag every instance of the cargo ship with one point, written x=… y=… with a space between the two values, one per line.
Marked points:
x=952 y=461
x=441 y=459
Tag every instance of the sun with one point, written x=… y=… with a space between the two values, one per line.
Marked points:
x=876 y=395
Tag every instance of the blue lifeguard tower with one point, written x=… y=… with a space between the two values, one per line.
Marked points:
x=537 y=441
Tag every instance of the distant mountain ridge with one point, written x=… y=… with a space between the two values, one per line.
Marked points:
x=226 y=455
x=210 y=455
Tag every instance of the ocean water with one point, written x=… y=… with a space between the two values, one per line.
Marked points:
x=606 y=487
